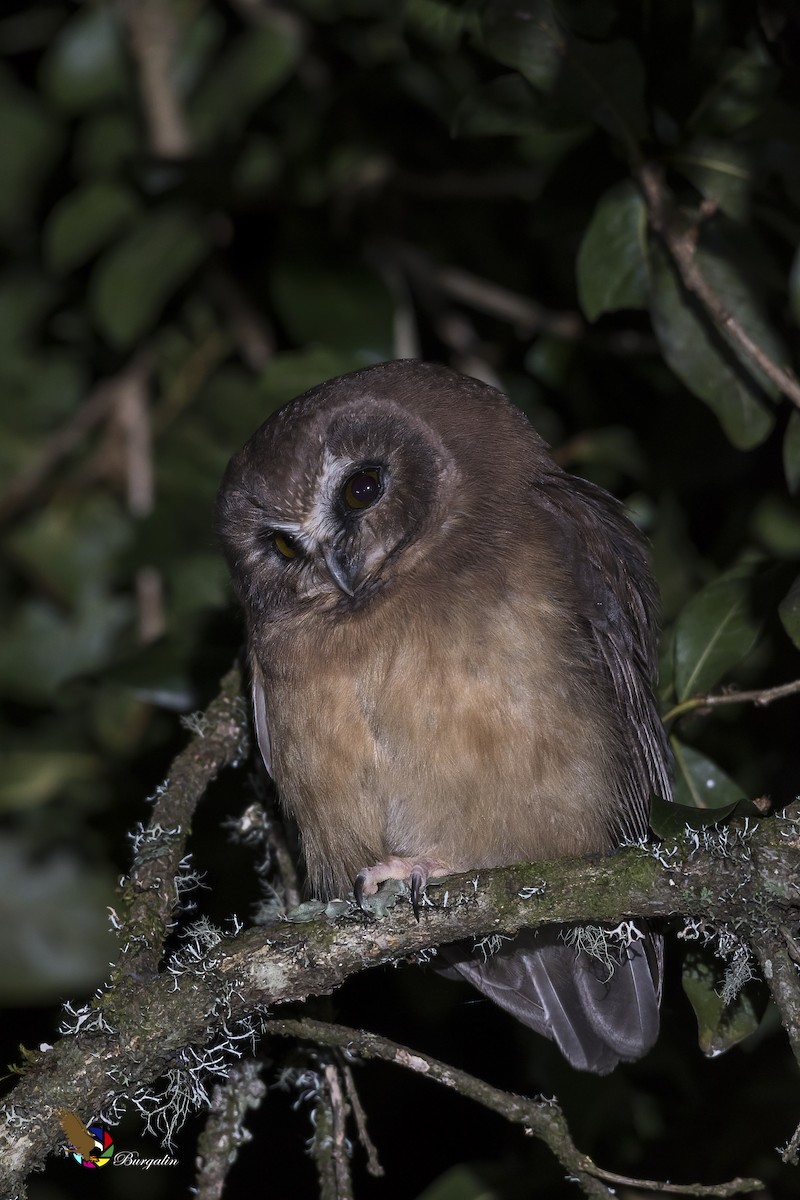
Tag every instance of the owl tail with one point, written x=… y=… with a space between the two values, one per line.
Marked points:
x=599 y=1013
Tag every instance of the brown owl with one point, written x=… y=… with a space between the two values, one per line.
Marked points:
x=452 y=645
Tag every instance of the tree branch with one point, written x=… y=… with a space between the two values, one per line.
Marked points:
x=761 y=697
x=681 y=246
x=159 y=872
x=154 y=29
x=541 y=1118
x=225 y=1131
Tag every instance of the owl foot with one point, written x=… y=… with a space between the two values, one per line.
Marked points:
x=414 y=871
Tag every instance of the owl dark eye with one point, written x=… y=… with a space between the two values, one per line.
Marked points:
x=286 y=545
x=363 y=488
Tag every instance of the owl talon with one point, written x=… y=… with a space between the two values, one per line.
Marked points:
x=417 y=882
x=358 y=888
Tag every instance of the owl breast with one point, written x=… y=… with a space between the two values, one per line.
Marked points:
x=430 y=733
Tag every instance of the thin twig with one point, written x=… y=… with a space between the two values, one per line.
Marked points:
x=251 y=332
x=496 y=301
x=373 y=1163
x=732 y=1187
x=527 y=316
x=71 y=436
x=761 y=697
x=154 y=28
x=225 y=1131
x=132 y=416
x=487 y=297
x=329 y=1145
x=681 y=245
x=541 y=1118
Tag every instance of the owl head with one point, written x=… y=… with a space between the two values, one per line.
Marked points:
x=355 y=482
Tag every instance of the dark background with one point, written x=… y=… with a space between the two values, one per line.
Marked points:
x=319 y=186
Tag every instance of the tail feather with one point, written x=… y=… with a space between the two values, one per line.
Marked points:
x=598 y=1015
x=622 y=1005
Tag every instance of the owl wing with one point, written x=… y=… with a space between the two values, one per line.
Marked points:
x=596 y=1016
x=618 y=602
x=260 y=720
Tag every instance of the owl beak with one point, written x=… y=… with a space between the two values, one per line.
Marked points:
x=340 y=569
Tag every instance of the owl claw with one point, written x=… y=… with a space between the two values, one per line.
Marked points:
x=358 y=887
x=413 y=871
x=417 y=882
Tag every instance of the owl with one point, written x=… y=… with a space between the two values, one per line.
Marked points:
x=453 y=646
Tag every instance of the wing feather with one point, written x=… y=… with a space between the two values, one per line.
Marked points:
x=260 y=722
x=618 y=602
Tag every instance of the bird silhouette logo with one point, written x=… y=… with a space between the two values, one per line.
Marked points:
x=92 y=1146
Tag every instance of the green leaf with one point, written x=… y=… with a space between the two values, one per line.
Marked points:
x=701 y=784
x=55 y=930
x=713 y=633
x=719 y=1026
x=341 y=305
x=34 y=777
x=25 y=296
x=85 y=66
x=462 y=1182
x=722 y=171
x=791 y=452
x=30 y=140
x=612 y=260
x=41 y=389
x=503 y=107
x=601 y=81
x=789 y=612
x=669 y=818
x=84 y=221
x=254 y=66
x=72 y=548
x=105 y=144
x=37 y=391
x=119 y=722
x=132 y=282
x=439 y=23
x=29 y=28
x=527 y=36
x=794 y=288
x=41 y=648
x=256 y=170
x=775 y=525
x=550 y=360
x=735 y=390
x=743 y=83
x=605 y=82
x=197 y=582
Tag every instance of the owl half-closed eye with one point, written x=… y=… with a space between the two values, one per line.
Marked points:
x=452 y=645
